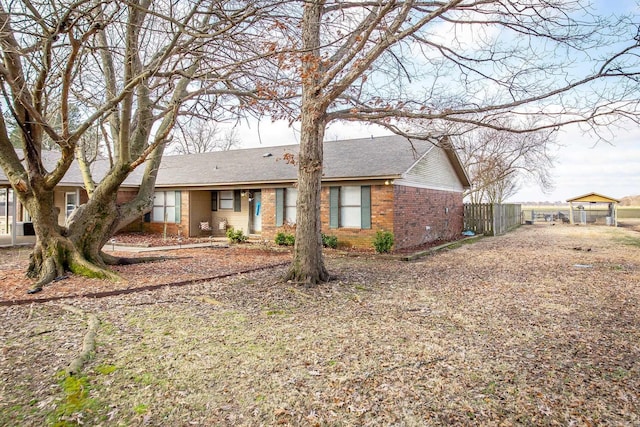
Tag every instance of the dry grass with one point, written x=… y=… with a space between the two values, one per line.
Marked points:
x=539 y=327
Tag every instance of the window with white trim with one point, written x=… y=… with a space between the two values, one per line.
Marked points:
x=350 y=206
x=290 y=199
x=166 y=207
x=70 y=202
x=350 y=202
x=226 y=199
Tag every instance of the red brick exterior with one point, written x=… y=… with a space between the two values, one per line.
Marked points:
x=419 y=208
x=268 y=207
x=405 y=211
x=381 y=218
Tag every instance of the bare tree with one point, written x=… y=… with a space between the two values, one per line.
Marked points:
x=498 y=162
x=197 y=136
x=131 y=68
x=460 y=61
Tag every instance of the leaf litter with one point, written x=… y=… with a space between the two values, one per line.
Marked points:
x=505 y=331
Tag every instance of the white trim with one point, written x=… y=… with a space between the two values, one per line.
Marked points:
x=14 y=221
x=76 y=194
x=408 y=183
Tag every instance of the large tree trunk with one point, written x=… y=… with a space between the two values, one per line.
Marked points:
x=76 y=248
x=308 y=263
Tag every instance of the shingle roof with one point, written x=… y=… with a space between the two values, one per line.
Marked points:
x=356 y=158
x=73 y=177
x=365 y=158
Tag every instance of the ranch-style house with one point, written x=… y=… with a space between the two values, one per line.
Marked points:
x=411 y=188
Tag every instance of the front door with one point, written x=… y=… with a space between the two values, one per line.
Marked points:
x=256 y=213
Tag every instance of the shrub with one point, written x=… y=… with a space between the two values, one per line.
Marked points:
x=290 y=239
x=285 y=239
x=383 y=242
x=236 y=236
x=280 y=238
x=329 y=241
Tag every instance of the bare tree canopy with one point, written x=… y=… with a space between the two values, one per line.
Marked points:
x=499 y=163
x=198 y=136
x=120 y=72
x=451 y=64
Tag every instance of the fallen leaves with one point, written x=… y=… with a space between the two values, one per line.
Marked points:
x=178 y=266
x=505 y=331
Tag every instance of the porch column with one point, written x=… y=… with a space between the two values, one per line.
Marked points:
x=13 y=215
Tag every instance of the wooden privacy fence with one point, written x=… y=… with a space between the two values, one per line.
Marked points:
x=490 y=218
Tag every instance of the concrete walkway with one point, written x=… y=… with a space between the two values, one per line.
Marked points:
x=5 y=241
x=222 y=242
x=137 y=249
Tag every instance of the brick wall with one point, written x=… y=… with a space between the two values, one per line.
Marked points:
x=381 y=217
x=268 y=212
x=422 y=215
x=414 y=209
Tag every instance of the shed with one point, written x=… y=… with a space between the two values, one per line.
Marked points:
x=593 y=208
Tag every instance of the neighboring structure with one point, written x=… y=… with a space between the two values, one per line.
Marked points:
x=593 y=208
x=411 y=188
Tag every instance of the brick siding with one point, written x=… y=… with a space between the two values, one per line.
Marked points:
x=381 y=217
x=419 y=208
x=405 y=211
x=268 y=212
x=125 y=196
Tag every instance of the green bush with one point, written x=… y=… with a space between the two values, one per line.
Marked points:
x=329 y=241
x=285 y=239
x=383 y=242
x=236 y=236
x=280 y=239
x=290 y=239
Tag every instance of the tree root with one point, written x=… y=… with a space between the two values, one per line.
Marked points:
x=48 y=272
x=79 y=265
x=294 y=275
x=89 y=341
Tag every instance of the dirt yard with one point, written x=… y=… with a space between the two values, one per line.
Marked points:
x=538 y=327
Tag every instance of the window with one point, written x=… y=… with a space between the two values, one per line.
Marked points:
x=286 y=206
x=350 y=200
x=70 y=202
x=290 y=198
x=166 y=207
x=226 y=199
x=350 y=207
